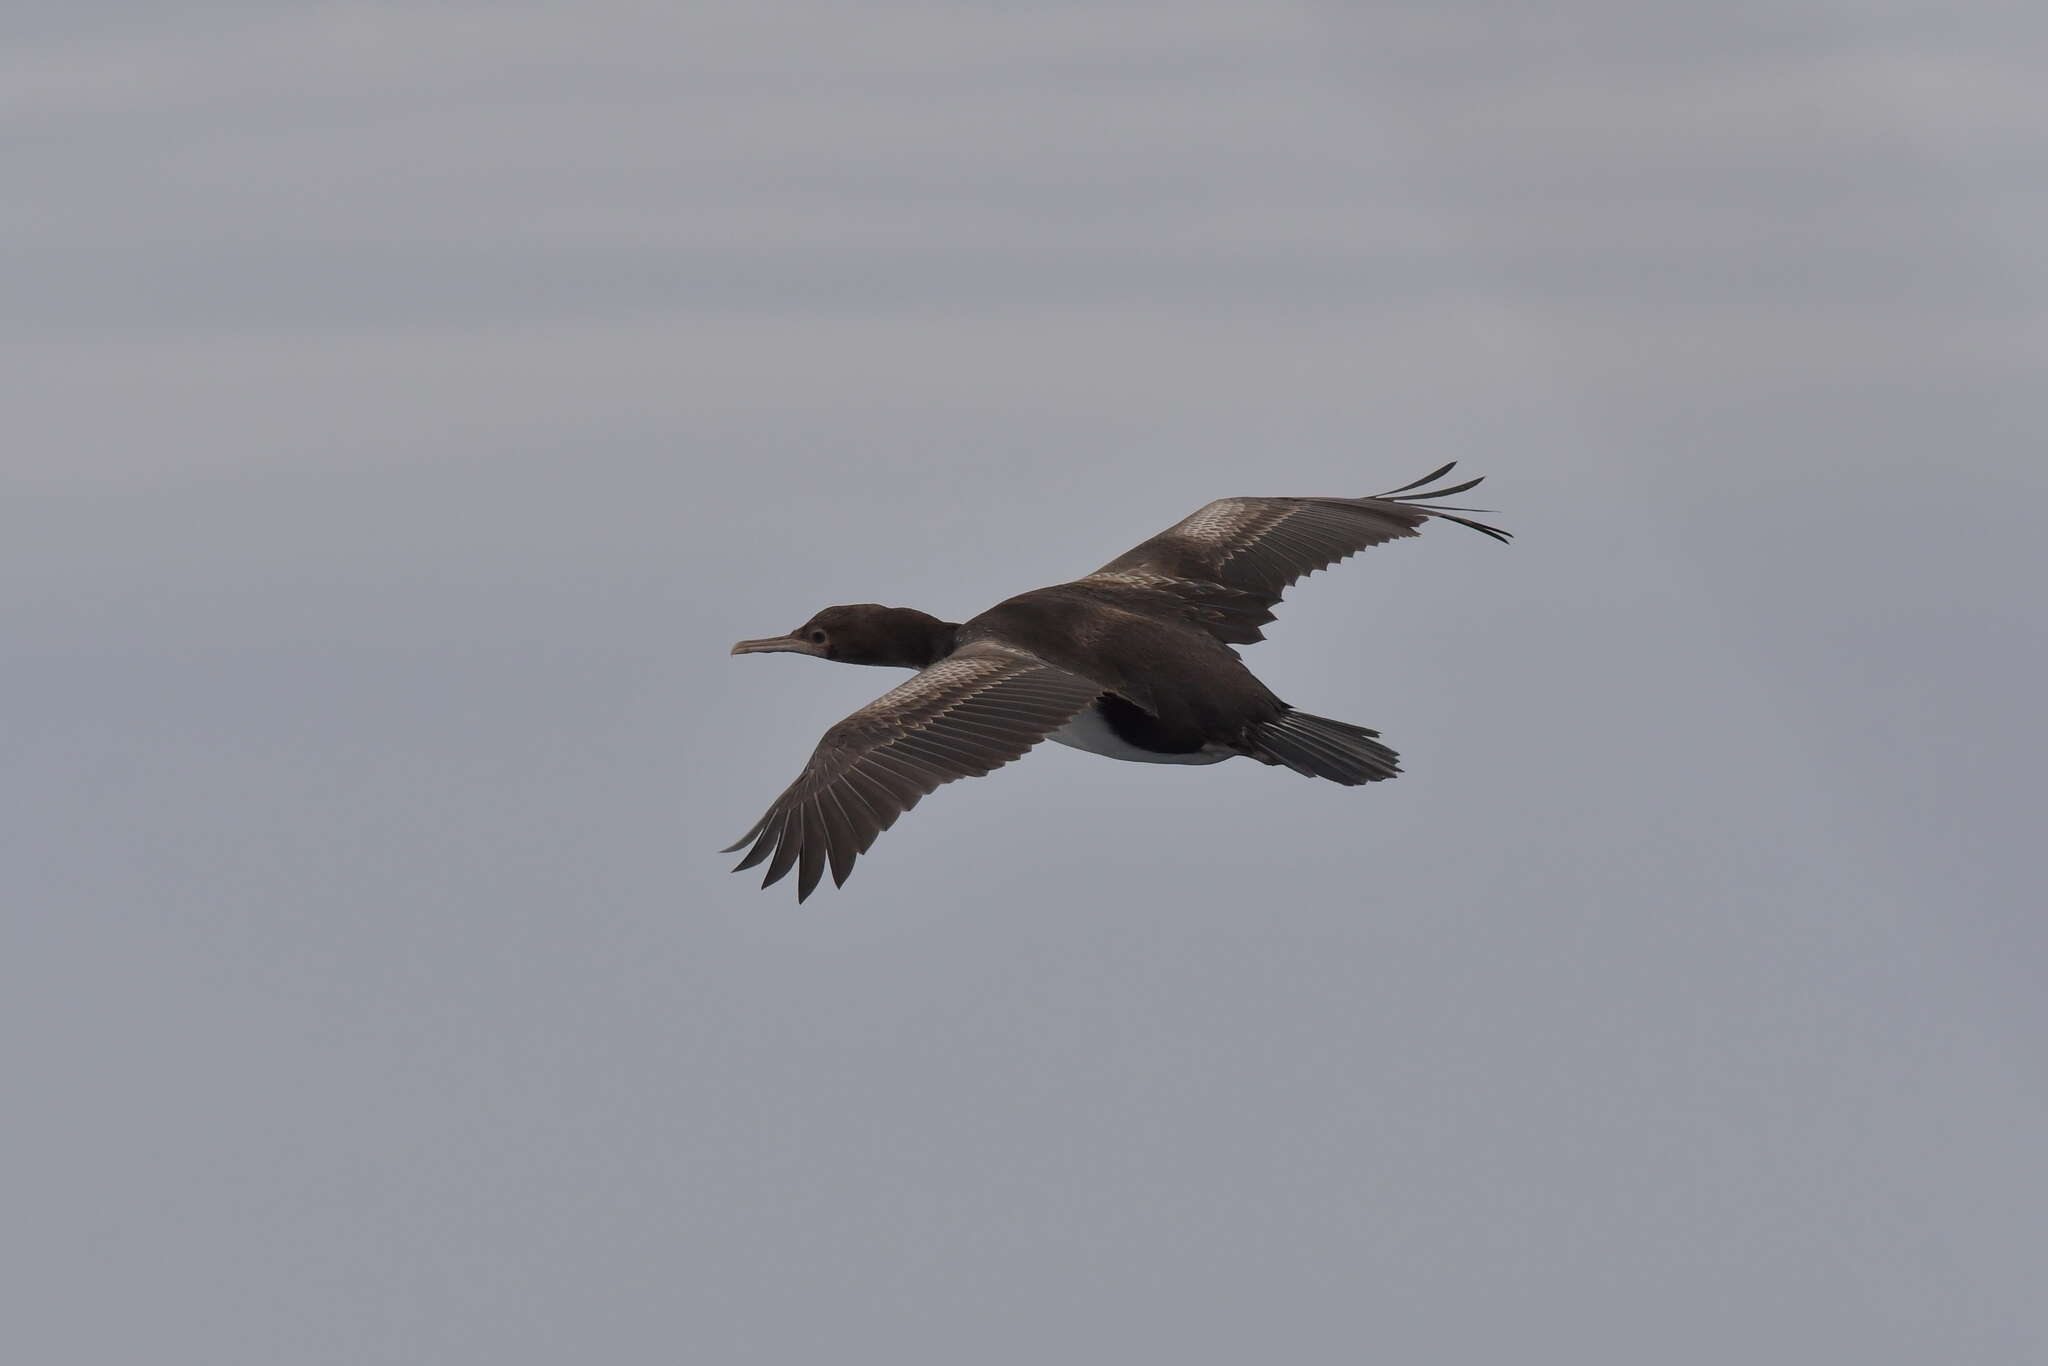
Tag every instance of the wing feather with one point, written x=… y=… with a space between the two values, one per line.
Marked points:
x=1230 y=561
x=970 y=713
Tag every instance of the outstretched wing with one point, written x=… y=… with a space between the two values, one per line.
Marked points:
x=1231 y=561
x=973 y=711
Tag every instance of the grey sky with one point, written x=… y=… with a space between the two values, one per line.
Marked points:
x=409 y=405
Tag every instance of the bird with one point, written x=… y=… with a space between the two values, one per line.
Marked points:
x=1136 y=661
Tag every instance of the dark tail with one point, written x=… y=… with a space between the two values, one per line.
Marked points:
x=1321 y=748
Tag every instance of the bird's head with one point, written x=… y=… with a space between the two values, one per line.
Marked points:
x=864 y=633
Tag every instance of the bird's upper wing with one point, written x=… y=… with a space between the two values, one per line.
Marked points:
x=1230 y=562
x=973 y=711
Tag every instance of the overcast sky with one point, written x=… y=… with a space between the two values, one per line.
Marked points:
x=408 y=405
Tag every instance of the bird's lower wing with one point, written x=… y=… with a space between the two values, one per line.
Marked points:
x=972 y=712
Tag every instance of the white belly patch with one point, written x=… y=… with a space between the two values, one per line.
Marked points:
x=1090 y=732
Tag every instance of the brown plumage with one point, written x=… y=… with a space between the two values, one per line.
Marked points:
x=1133 y=661
x=972 y=711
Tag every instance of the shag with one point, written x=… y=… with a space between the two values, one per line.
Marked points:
x=1133 y=661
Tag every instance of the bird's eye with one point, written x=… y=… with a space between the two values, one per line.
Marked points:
x=817 y=637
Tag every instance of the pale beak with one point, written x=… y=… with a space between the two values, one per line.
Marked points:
x=775 y=645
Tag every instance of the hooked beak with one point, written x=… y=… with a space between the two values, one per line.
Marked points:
x=776 y=645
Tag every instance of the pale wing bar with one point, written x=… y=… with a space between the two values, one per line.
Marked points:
x=1231 y=561
x=971 y=712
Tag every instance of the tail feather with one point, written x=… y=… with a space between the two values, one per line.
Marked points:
x=1318 y=747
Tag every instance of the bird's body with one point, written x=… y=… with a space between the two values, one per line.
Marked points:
x=1133 y=662
x=1120 y=729
x=1191 y=685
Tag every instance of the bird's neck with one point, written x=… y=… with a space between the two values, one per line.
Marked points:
x=930 y=643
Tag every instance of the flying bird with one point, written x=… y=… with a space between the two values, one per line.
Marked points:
x=1133 y=661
